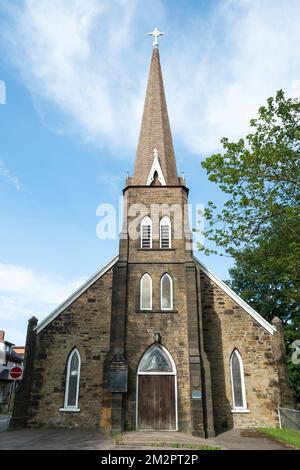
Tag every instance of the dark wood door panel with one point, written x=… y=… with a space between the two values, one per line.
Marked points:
x=156 y=402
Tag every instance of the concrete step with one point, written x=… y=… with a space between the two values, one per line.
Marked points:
x=163 y=439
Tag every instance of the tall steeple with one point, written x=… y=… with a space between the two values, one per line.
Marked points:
x=155 y=160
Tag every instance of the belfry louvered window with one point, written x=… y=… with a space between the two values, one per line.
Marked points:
x=146 y=233
x=237 y=382
x=165 y=232
x=72 y=380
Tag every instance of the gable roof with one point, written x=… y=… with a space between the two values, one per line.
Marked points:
x=75 y=295
x=237 y=299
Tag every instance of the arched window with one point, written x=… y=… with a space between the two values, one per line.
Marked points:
x=166 y=292
x=146 y=292
x=165 y=232
x=146 y=233
x=237 y=382
x=72 y=382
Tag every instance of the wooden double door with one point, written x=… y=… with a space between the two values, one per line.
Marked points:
x=156 y=402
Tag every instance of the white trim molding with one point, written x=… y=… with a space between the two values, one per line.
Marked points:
x=156 y=167
x=243 y=408
x=166 y=352
x=75 y=295
x=165 y=222
x=146 y=222
x=256 y=316
x=166 y=275
x=70 y=409
x=174 y=373
x=66 y=406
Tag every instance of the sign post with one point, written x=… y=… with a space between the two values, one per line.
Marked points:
x=15 y=373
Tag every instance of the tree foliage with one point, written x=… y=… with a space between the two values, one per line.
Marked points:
x=267 y=275
x=261 y=176
x=259 y=224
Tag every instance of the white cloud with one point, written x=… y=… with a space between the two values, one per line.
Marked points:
x=84 y=62
x=32 y=286
x=295 y=89
x=244 y=53
x=68 y=54
x=6 y=175
x=24 y=293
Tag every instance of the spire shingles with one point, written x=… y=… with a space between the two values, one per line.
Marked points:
x=155 y=134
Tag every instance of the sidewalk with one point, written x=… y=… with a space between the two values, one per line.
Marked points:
x=93 y=439
x=233 y=440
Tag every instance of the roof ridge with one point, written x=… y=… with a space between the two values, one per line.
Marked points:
x=66 y=303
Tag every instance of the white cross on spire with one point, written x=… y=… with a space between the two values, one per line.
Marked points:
x=155 y=33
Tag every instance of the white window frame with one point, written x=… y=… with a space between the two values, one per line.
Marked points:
x=66 y=406
x=171 y=291
x=238 y=409
x=165 y=221
x=141 y=291
x=174 y=372
x=146 y=221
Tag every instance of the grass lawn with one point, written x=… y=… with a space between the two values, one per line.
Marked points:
x=289 y=436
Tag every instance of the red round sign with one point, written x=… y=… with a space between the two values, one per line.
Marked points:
x=15 y=372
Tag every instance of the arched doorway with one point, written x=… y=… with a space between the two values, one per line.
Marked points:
x=156 y=390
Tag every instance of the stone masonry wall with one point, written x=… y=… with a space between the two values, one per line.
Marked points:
x=172 y=326
x=85 y=325
x=227 y=326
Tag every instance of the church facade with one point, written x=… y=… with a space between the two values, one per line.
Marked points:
x=154 y=340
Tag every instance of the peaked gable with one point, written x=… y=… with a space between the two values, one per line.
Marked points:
x=63 y=306
x=156 y=167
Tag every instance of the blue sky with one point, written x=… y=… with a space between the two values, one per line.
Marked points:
x=75 y=75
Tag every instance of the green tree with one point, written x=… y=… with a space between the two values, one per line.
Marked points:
x=259 y=223
x=261 y=176
x=267 y=277
x=266 y=274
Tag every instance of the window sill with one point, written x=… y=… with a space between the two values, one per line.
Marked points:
x=240 y=411
x=70 y=410
x=156 y=311
x=156 y=249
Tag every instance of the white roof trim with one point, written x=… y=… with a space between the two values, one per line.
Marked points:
x=156 y=167
x=75 y=295
x=264 y=323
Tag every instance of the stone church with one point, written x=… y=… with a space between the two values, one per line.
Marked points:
x=154 y=340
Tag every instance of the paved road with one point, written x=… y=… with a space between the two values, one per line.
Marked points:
x=60 y=439
x=93 y=439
